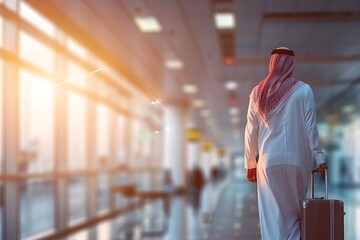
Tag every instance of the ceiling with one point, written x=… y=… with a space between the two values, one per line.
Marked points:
x=325 y=35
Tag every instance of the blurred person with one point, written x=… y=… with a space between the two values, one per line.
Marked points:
x=281 y=127
x=196 y=182
x=214 y=173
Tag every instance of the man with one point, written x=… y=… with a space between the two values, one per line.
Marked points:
x=281 y=128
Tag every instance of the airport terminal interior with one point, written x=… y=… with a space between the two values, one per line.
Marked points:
x=108 y=108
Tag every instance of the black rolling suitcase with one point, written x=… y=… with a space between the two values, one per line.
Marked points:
x=322 y=219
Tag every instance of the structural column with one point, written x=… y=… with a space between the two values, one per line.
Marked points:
x=61 y=160
x=174 y=144
x=10 y=134
x=91 y=163
x=193 y=154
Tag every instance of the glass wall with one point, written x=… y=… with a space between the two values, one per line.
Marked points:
x=1 y=31
x=102 y=136
x=36 y=206
x=1 y=114
x=77 y=198
x=76 y=136
x=35 y=52
x=121 y=144
x=58 y=83
x=37 y=123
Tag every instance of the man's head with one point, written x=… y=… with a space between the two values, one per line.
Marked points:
x=282 y=61
x=283 y=50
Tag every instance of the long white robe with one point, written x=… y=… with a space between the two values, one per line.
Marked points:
x=287 y=145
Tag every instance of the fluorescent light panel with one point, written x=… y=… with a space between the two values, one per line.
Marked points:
x=148 y=24
x=198 y=103
x=174 y=64
x=224 y=20
x=189 y=88
x=231 y=85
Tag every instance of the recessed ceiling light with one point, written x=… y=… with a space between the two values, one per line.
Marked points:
x=231 y=85
x=234 y=111
x=174 y=64
x=148 y=24
x=198 y=103
x=189 y=88
x=224 y=20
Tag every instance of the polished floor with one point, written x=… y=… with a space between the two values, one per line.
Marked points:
x=226 y=210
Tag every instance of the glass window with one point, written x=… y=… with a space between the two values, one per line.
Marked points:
x=76 y=74
x=103 y=192
x=1 y=31
x=36 y=124
x=103 y=230
x=1 y=207
x=36 y=206
x=135 y=143
x=82 y=235
x=103 y=89
x=102 y=134
x=77 y=198
x=36 y=19
x=76 y=48
x=141 y=142
x=76 y=131
x=1 y=117
x=11 y=4
x=36 y=52
x=121 y=145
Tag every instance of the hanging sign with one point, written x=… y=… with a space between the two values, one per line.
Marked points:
x=207 y=146
x=221 y=152
x=193 y=134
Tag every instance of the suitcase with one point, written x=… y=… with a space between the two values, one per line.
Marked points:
x=322 y=219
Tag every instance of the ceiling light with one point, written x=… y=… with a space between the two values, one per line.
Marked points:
x=148 y=24
x=189 y=88
x=234 y=111
x=224 y=20
x=174 y=64
x=231 y=85
x=205 y=113
x=198 y=103
x=229 y=60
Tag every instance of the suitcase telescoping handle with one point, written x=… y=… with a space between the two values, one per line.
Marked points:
x=312 y=184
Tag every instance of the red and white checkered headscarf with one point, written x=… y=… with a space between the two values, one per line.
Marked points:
x=273 y=90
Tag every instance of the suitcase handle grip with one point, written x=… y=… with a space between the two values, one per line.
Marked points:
x=312 y=184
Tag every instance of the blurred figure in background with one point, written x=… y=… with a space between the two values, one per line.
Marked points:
x=281 y=126
x=196 y=183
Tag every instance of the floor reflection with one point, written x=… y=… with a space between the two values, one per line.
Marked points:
x=223 y=210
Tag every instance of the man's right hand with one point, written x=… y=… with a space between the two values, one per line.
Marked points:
x=321 y=168
x=251 y=175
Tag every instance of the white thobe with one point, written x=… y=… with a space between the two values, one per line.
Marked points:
x=287 y=145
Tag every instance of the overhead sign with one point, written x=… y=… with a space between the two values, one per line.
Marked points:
x=221 y=152
x=193 y=134
x=207 y=146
